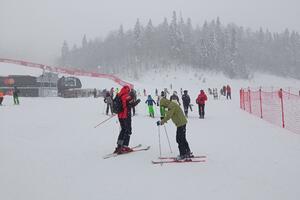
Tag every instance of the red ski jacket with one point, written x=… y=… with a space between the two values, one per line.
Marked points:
x=125 y=97
x=201 y=98
x=228 y=89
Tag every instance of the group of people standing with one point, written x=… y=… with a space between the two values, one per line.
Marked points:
x=16 y=93
x=169 y=109
x=186 y=102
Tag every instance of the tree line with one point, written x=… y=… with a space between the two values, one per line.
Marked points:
x=234 y=50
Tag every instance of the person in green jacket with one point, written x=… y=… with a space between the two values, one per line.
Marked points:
x=175 y=113
x=161 y=109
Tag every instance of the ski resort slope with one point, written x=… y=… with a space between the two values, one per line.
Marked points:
x=49 y=149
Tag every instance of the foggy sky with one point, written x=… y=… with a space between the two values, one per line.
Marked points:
x=34 y=30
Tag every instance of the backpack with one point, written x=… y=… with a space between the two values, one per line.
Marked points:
x=117 y=105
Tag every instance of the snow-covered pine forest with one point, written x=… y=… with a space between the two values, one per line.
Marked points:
x=235 y=50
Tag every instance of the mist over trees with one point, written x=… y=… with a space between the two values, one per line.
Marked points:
x=232 y=49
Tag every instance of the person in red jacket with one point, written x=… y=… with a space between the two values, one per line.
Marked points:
x=228 y=90
x=201 y=103
x=125 y=120
x=1 y=97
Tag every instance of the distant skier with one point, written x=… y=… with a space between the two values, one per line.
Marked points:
x=145 y=93
x=228 y=92
x=116 y=91
x=186 y=100
x=16 y=95
x=224 y=90
x=175 y=98
x=161 y=109
x=166 y=92
x=215 y=93
x=133 y=95
x=176 y=114
x=95 y=92
x=125 y=120
x=201 y=103
x=109 y=102
x=156 y=92
x=112 y=92
x=150 y=103
x=1 y=97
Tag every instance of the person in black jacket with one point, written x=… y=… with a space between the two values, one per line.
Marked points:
x=133 y=95
x=186 y=100
x=16 y=95
x=109 y=102
x=175 y=98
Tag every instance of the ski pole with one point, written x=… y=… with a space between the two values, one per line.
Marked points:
x=168 y=138
x=159 y=144
x=104 y=121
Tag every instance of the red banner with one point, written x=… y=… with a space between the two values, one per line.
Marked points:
x=70 y=71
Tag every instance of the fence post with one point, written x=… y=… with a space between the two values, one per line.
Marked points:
x=244 y=100
x=250 y=110
x=282 y=111
x=241 y=99
x=260 y=102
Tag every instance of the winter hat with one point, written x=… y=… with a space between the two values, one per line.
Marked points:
x=185 y=91
x=163 y=94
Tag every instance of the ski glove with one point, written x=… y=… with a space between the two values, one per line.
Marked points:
x=158 y=123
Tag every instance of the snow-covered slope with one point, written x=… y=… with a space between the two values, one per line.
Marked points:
x=49 y=149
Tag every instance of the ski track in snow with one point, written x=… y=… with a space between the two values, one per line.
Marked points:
x=49 y=149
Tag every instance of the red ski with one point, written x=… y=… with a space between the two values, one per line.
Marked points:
x=176 y=161
x=172 y=157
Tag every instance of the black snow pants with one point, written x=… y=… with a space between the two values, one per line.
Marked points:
x=201 y=110
x=183 y=145
x=124 y=136
x=186 y=109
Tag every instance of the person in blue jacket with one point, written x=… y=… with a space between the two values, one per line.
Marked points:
x=150 y=102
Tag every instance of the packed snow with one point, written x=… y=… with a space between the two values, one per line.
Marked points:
x=49 y=148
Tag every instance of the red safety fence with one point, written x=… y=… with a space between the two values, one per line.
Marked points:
x=70 y=71
x=278 y=107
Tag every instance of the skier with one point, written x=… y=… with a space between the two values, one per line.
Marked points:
x=150 y=102
x=156 y=92
x=215 y=93
x=145 y=94
x=228 y=90
x=201 y=103
x=175 y=98
x=125 y=120
x=95 y=92
x=161 y=109
x=166 y=92
x=112 y=92
x=186 y=100
x=224 y=90
x=1 y=97
x=16 y=95
x=116 y=91
x=176 y=114
x=132 y=93
x=109 y=102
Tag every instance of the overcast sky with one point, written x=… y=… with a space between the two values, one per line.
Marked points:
x=34 y=30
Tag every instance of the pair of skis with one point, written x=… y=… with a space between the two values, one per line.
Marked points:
x=163 y=160
x=136 y=148
x=160 y=160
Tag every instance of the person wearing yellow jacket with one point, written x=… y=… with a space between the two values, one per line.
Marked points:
x=175 y=113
